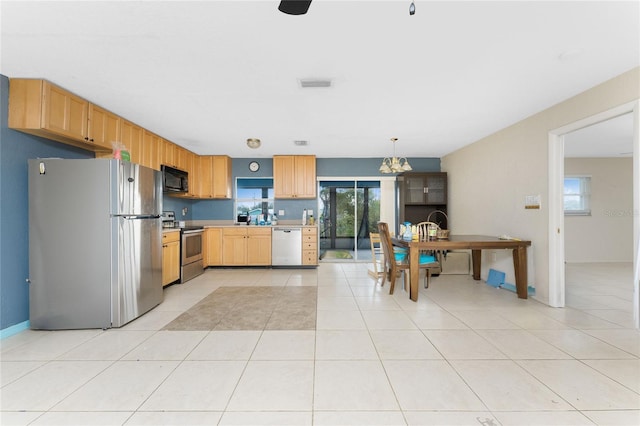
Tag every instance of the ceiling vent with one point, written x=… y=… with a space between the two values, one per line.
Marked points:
x=301 y=143
x=308 y=83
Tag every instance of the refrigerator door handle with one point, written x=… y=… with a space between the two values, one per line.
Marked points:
x=136 y=216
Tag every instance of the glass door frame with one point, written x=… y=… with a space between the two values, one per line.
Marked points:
x=354 y=181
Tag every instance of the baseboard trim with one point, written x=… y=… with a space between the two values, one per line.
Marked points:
x=14 y=329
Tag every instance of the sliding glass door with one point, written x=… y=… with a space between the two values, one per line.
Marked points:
x=348 y=211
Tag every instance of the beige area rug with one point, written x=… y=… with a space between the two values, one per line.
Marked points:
x=252 y=308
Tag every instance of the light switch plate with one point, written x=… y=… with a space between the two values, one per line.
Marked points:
x=310 y=212
x=532 y=202
x=280 y=212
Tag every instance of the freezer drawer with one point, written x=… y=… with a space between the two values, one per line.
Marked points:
x=286 y=246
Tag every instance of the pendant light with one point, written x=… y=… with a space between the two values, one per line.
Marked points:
x=395 y=164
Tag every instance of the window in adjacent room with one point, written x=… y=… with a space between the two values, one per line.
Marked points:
x=254 y=196
x=577 y=195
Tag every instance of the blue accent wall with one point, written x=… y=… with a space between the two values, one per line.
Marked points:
x=15 y=149
x=325 y=167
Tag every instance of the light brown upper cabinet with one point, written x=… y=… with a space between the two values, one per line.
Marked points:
x=151 y=150
x=104 y=127
x=44 y=109
x=132 y=140
x=294 y=176
x=215 y=180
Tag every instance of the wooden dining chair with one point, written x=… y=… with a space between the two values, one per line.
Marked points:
x=377 y=257
x=423 y=232
x=396 y=262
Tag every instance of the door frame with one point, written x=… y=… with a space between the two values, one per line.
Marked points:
x=556 y=204
x=387 y=194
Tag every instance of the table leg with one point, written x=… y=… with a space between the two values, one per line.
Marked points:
x=476 y=261
x=520 y=269
x=414 y=272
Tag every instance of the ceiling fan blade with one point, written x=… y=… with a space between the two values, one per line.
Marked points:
x=294 y=7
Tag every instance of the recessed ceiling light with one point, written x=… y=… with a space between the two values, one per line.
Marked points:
x=301 y=143
x=314 y=82
x=253 y=143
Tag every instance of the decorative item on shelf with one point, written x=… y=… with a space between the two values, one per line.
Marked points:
x=441 y=234
x=395 y=164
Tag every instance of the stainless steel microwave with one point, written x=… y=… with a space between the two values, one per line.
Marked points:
x=174 y=180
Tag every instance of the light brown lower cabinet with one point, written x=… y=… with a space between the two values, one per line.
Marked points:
x=246 y=246
x=310 y=245
x=212 y=247
x=170 y=257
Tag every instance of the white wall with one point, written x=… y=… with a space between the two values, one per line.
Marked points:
x=606 y=235
x=489 y=179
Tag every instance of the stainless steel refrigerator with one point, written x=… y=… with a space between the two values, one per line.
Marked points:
x=95 y=243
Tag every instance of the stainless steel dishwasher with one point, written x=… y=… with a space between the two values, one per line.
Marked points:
x=286 y=246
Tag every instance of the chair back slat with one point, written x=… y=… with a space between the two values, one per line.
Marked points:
x=387 y=246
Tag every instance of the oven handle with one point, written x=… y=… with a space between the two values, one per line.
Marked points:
x=195 y=231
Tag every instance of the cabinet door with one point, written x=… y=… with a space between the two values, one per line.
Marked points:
x=151 y=145
x=414 y=189
x=192 y=167
x=221 y=185
x=305 y=176
x=205 y=176
x=259 y=246
x=168 y=153
x=436 y=192
x=104 y=127
x=170 y=260
x=64 y=113
x=234 y=247
x=212 y=247
x=283 y=176
x=132 y=140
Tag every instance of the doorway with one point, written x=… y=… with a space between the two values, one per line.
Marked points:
x=598 y=223
x=556 y=234
x=348 y=211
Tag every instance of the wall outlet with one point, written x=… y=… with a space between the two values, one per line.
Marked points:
x=309 y=212
x=280 y=212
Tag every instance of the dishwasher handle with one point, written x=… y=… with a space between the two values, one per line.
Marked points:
x=288 y=230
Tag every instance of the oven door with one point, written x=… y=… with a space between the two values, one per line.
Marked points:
x=191 y=246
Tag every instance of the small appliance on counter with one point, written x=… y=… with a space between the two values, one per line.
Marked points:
x=169 y=219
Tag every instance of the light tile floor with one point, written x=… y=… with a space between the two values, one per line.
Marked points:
x=464 y=354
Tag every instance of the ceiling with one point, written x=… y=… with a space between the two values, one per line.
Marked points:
x=611 y=138
x=210 y=74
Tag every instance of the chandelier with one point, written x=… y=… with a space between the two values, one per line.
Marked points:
x=395 y=164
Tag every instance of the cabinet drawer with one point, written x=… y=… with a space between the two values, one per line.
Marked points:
x=169 y=237
x=309 y=257
x=234 y=231
x=259 y=231
x=309 y=239
x=309 y=245
x=309 y=230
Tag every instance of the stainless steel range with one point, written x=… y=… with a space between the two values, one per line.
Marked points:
x=191 y=264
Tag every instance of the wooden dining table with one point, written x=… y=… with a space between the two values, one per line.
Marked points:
x=475 y=243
